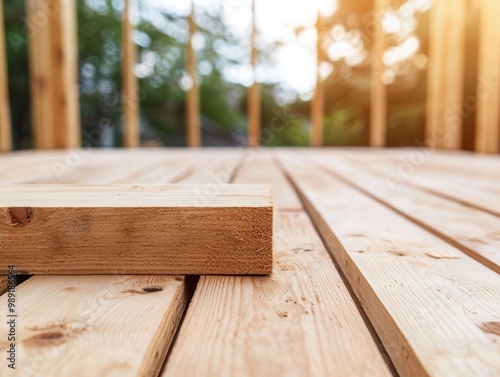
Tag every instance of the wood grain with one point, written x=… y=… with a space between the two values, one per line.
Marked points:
x=5 y=126
x=432 y=306
x=112 y=319
x=300 y=320
x=472 y=231
x=94 y=325
x=176 y=229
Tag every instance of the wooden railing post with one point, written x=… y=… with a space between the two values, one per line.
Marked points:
x=445 y=83
x=317 y=103
x=378 y=91
x=130 y=94
x=54 y=73
x=254 y=92
x=5 y=127
x=193 y=95
x=488 y=86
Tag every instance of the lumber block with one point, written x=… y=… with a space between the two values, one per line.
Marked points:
x=141 y=229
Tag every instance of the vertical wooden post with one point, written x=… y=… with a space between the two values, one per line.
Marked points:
x=317 y=104
x=445 y=83
x=378 y=92
x=254 y=92
x=5 y=127
x=54 y=73
x=130 y=94
x=488 y=87
x=193 y=95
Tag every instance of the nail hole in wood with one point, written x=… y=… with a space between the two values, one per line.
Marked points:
x=152 y=289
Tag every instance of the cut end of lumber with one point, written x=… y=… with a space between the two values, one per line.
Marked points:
x=119 y=229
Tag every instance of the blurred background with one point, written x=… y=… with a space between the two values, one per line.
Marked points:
x=286 y=39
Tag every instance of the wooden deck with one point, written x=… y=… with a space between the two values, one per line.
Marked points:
x=386 y=262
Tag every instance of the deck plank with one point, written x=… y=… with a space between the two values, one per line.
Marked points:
x=481 y=193
x=95 y=325
x=435 y=309
x=472 y=231
x=301 y=320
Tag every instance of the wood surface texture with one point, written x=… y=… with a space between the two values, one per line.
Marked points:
x=116 y=229
x=372 y=270
x=435 y=309
x=94 y=325
x=113 y=318
x=473 y=231
x=299 y=321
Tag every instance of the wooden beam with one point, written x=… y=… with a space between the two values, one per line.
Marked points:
x=172 y=229
x=254 y=91
x=5 y=126
x=317 y=104
x=193 y=98
x=488 y=87
x=446 y=74
x=54 y=73
x=131 y=130
x=378 y=92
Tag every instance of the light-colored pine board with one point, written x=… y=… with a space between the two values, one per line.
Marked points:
x=193 y=95
x=91 y=166
x=254 y=90
x=54 y=73
x=446 y=72
x=130 y=95
x=167 y=229
x=317 y=103
x=472 y=231
x=488 y=88
x=435 y=309
x=5 y=127
x=480 y=193
x=94 y=325
x=259 y=168
x=300 y=320
x=378 y=90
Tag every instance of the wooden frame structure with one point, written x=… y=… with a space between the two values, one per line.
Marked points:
x=54 y=84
